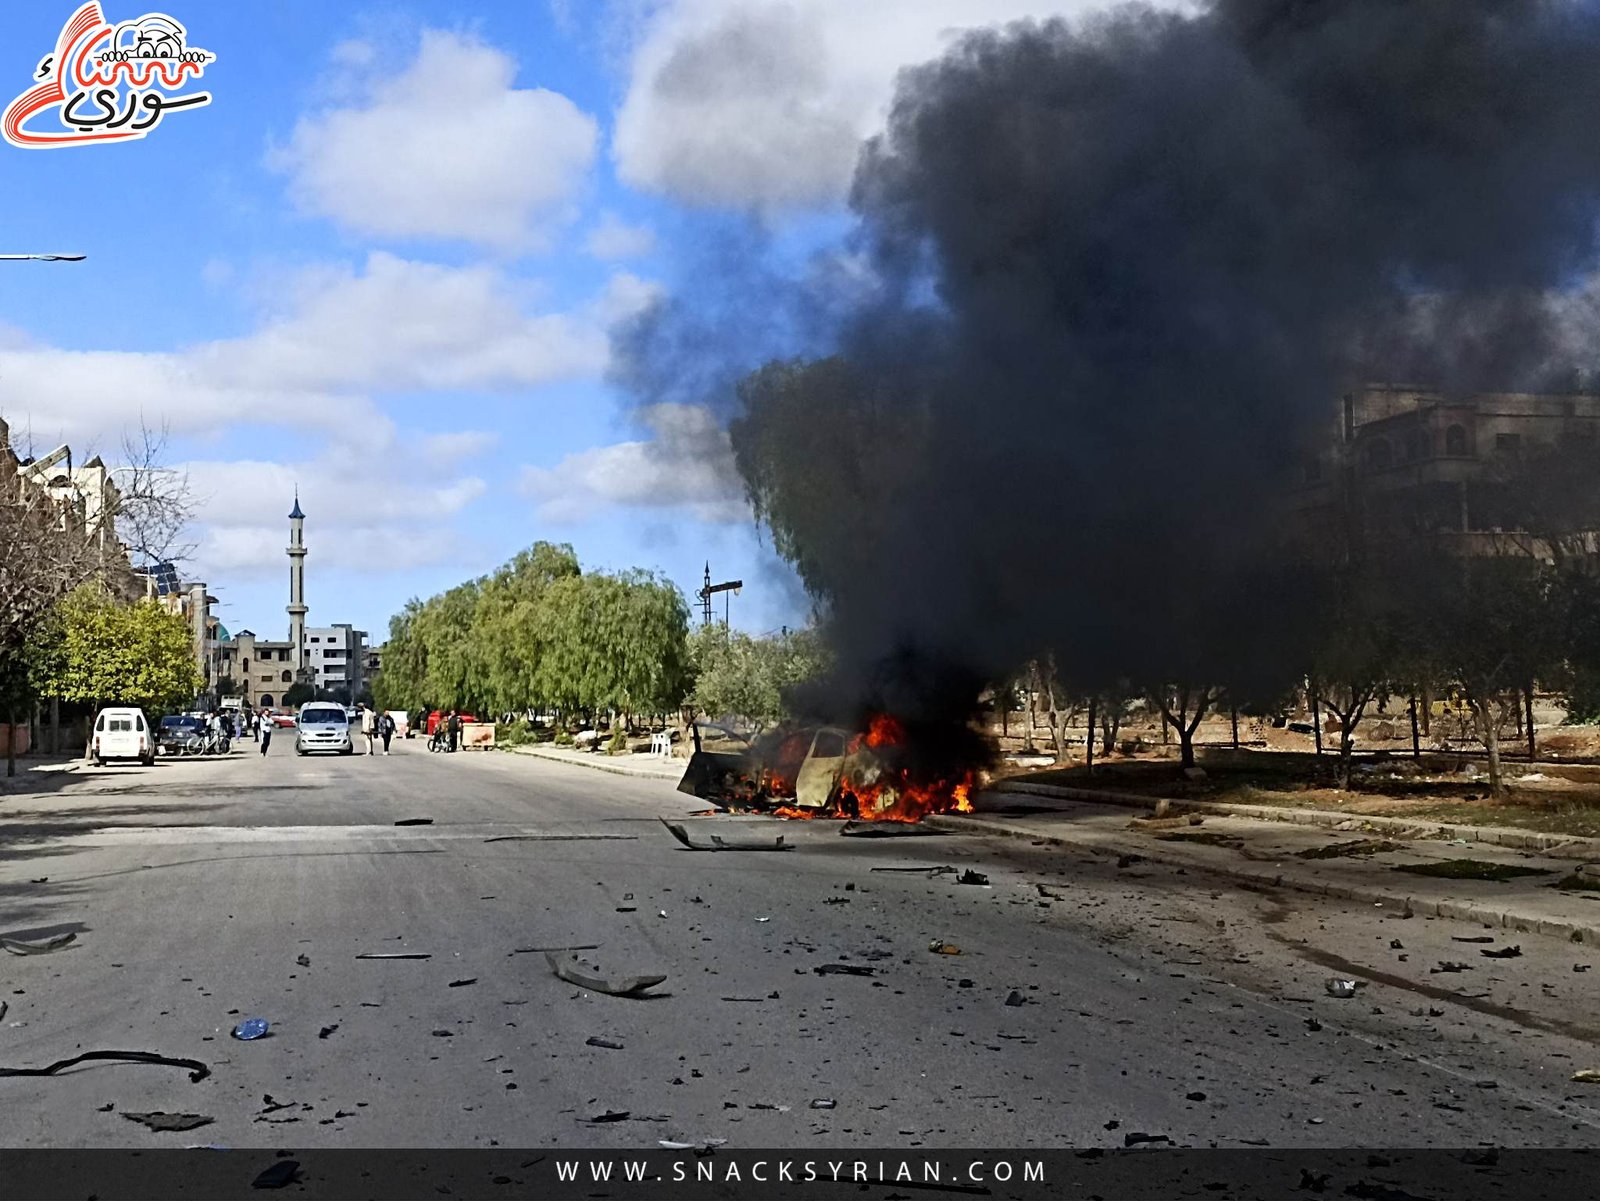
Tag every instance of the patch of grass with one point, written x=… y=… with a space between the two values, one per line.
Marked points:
x=1582 y=883
x=1339 y=850
x=1209 y=838
x=1471 y=869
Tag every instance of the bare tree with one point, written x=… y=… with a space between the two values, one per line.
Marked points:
x=154 y=501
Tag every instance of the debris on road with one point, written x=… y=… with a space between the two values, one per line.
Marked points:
x=700 y=1145
x=1586 y=1076
x=930 y=872
x=1136 y=1138
x=1472 y=938
x=303 y=960
x=1580 y=967
x=251 y=1029
x=939 y=947
x=971 y=877
x=563 y=838
x=1446 y=965
x=581 y=946
x=170 y=1121
x=824 y=1103
x=327 y=1031
x=750 y=999
x=197 y=1070
x=610 y=1115
x=574 y=971
x=1503 y=953
x=1342 y=850
x=717 y=844
x=859 y=829
x=1341 y=988
x=279 y=1175
x=415 y=821
x=463 y=983
x=596 y=1041
x=1015 y=999
x=394 y=955
x=842 y=969
x=43 y=946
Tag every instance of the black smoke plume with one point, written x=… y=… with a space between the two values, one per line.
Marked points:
x=1121 y=272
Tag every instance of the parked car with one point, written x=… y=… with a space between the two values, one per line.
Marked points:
x=322 y=726
x=282 y=721
x=122 y=734
x=177 y=731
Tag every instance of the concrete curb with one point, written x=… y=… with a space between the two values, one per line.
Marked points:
x=1573 y=931
x=1568 y=846
x=616 y=769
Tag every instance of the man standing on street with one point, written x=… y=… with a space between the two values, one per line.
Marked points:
x=455 y=728
x=266 y=729
x=386 y=729
x=366 y=725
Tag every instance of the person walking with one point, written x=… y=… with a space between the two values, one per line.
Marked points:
x=455 y=728
x=386 y=730
x=266 y=729
x=366 y=725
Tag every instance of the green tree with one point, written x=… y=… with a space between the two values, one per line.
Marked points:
x=737 y=675
x=110 y=653
x=298 y=694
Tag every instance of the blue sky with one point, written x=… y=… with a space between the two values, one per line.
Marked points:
x=382 y=266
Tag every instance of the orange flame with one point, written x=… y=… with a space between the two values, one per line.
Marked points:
x=880 y=790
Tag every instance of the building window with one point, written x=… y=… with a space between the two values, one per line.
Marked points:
x=1455 y=440
x=288 y=677
x=266 y=699
x=1378 y=455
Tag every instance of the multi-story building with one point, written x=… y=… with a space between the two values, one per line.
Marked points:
x=1418 y=462
x=261 y=670
x=337 y=657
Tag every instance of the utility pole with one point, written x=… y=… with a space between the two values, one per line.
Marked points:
x=709 y=590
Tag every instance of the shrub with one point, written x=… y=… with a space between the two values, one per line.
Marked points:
x=619 y=742
x=562 y=738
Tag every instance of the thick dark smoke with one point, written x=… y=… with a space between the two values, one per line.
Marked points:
x=1123 y=272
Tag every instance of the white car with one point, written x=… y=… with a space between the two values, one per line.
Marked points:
x=322 y=726
x=122 y=734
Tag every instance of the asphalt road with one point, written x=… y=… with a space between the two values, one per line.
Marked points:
x=1153 y=1001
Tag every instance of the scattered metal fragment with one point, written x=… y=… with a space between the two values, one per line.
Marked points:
x=197 y=1070
x=1015 y=999
x=273 y=1106
x=415 y=821
x=824 y=1103
x=43 y=946
x=1587 y=1076
x=860 y=829
x=752 y=999
x=463 y=983
x=610 y=1115
x=563 y=838
x=1396 y=945
x=1135 y=1138
x=279 y=1175
x=251 y=1029
x=718 y=844
x=574 y=971
x=1446 y=965
x=1472 y=938
x=699 y=1144
x=303 y=960
x=1503 y=953
x=1580 y=967
x=939 y=947
x=326 y=1031
x=1340 y=988
x=842 y=969
x=971 y=877
x=596 y=1041
x=580 y=946
x=930 y=872
x=763 y=919
x=170 y=1121
x=394 y=955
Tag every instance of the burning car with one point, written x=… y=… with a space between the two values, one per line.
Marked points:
x=823 y=771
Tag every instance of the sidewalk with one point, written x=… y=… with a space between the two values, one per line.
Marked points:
x=1566 y=845
x=646 y=766
x=34 y=770
x=1266 y=853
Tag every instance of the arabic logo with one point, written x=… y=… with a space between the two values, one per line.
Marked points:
x=108 y=84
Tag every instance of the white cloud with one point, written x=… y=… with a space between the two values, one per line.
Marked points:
x=764 y=104
x=396 y=326
x=613 y=238
x=687 y=464
x=626 y=295
x=448 y=148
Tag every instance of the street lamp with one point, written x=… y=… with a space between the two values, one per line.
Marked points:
x=44 y=258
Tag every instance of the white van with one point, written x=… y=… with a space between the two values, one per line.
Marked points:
x=122 y=734
x=322 y=726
